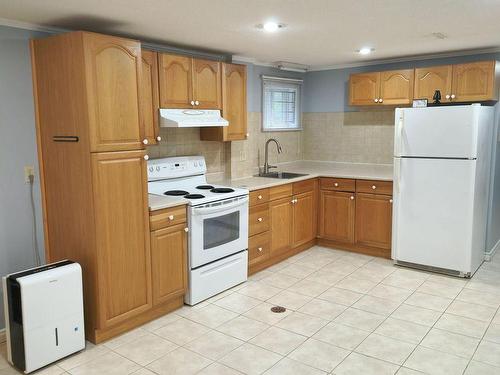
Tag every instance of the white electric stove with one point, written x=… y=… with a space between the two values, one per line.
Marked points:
x=217 y=222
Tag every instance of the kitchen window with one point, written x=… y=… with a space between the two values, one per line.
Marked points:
x=281 y=104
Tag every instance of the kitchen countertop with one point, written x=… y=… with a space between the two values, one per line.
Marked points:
x=157 y=202
x=381 y=172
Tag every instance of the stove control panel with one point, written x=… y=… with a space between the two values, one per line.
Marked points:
x=174 y=167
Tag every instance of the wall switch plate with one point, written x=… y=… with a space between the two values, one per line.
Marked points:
x=29 y=170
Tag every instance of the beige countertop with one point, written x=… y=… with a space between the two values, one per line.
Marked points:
x=157 y=202
x=382 y=172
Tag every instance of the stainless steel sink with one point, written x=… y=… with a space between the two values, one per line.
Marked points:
x=282 y=175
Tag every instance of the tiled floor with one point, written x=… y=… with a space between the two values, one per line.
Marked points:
x=346 y=314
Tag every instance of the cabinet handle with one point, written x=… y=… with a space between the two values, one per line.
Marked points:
x=453 y=96
x=336 y=184
x=197 y=102
x=186 y=229
x=260 y=249
x=390 y=200
x=259 y=219
x=380 y=100
x=158 y=138
x=146 y=157
x=352 y=197
x=145 y=141
x=192 y=102
x=248 y=135
x=171 y=217
x=374 y=187
x=448 y=96
x=259 y=197
x=375 y=100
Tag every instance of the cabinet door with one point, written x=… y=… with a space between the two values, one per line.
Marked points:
x=149 y=96
x=396 y=87
x=113 y=70
x=234 y=101
x=474 y=81
x=336 y=218
x=428 y=80
x=304 y=218
x=281 y=216
x=207 y=84
x=364 y=88
x=175 y=80
x=374 y=220
x=122 y=235
x=169 y=263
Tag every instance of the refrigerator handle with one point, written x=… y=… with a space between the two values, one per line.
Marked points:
x=399 y=136
x=397 y=175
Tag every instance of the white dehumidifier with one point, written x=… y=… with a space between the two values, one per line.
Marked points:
x=43 y=314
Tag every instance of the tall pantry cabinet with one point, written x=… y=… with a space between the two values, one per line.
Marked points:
x=93 y=172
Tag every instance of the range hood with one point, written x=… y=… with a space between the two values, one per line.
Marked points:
x=191 y=118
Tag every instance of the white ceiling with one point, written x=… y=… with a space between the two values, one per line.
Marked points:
x=319 y=32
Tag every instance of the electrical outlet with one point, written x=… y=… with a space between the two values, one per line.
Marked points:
x=29 y=170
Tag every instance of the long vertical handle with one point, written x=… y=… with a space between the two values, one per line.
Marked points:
x=397 y=175
x=399 y=133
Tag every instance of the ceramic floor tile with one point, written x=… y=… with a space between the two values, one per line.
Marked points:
x=488 y=352
x=260 y=275
x=355 y=285
x=218 y=369
x=480 y=298
x=244 y=359
x=416 y=314
x=385 y=348
x=146 y=349
x=49 y=370
x=428 y=301
x=142 y=371
x=278 y=340
x=109 y=363
x=340 y=296
x=302 y=324
x=212 y=316
x=479 y=368
x=405 y=279
x=280 y=280
x=263 y=313
x=322 y=309
x=314 y=261
x=355 y=258
x=297 y=271
x=214 y=345
x=161 y=322
x=238 y=303
x=180 y=361
x=439 y=289
x=390 y=292
x=290 y=300
x=90 y=353
x=402 y=330
x=453 y=343
x=182 y=331
x=308 y=288
x=431 y=361
x=340 y=335
x=358 y=364
x=288 y=366
x=340 y=267
x=364 y=320
x=376 y=305
x=319 y=355
x=462 y=325
x=243 y=328
x=493 y=333
x=324 y=277
x=472 y=310
x=258 y=290
x=126 y=337
x=447 y=280
x=408 y=371
x=370 y=274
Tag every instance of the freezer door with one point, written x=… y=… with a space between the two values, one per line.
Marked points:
x=432 y=216
x=441 y=132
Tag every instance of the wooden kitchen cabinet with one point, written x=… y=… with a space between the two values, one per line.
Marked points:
x=304 y=218
x=234 y=106
x=428 y=80
x=364 y=88
x=169 y=263
x=475 y=82
x=207 y=89
x=396 y=87
x=336 y=216
x=281 y=220
x=374 y=220
x=149 y=97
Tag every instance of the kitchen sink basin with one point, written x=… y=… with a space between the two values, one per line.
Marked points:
x=282 y=175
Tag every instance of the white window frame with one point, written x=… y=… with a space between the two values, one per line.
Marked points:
x=269 y=82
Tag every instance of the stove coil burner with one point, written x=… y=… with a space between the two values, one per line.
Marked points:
x=194 y=196
x=176 y=193
x=222 y=190
x=204 y=187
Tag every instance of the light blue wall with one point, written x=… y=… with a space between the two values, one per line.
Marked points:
x=327 y=90
x=17 y=149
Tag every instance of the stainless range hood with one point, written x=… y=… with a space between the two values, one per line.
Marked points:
x=191 y=118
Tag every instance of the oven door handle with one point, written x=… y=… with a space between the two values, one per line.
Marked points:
x=220 y=207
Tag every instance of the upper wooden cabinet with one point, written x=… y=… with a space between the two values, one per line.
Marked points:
x=186 y=82
x=364 y=88
x=234 y=106
x=149 y=97
x=428 y=80
x=396 y=87
x=474 y=82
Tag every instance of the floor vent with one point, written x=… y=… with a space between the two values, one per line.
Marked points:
x=278 y=309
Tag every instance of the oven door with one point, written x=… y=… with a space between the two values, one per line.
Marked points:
x=217 y=230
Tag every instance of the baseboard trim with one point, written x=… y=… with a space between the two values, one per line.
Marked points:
x=3 y=336
x=489 y=254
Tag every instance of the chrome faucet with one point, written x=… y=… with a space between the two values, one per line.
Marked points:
x=267 y=167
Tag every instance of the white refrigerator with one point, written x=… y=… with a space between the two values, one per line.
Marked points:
x=442 y=159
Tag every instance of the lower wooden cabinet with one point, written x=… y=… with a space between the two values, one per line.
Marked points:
x=259 y=247
x=169 y=263
x=337 y=212
x=281 y=216
x=374 y=220
x=304 y=218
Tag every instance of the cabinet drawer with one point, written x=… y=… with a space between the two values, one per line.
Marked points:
x=338 y=184
x=258 y=248
x=304 y=186
x=167 y=217
x=259 y=196
x=280 y=191
x=258 y=219
x=376 y=187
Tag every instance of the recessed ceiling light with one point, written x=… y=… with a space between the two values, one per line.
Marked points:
x=365 y=50
x=271 y=26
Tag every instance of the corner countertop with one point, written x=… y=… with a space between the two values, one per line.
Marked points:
x=157 y=202
x=381 y=172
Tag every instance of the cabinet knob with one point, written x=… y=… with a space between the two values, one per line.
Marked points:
x=352 y=197
x=158 y=138
x=375 y=100
x=145 y=141
x=171 y=217
x=259 y=197
x=390 y=200
x=259 y=219
x=260 y=249
x=336 y=184
x=448 y=96
x=374 y=187
x=248 y=135
x=146 y=157
x=192 y=102
x=380 y=100
x=186 y=229
x=197 y=102
x=453 y=96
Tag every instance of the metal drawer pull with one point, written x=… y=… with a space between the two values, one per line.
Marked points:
x=352 y=197
x=171 y=217
x=259 y=219
x=374 y=187
x=390 y=200
x=336 y=184
x=259 y=197
x=260 y=249
x=186 y=230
